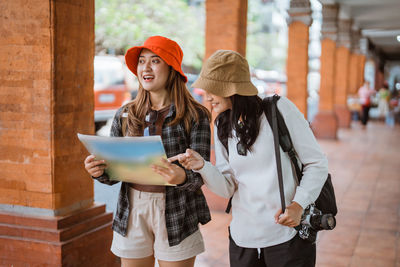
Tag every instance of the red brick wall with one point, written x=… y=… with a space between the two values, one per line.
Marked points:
x=46 y=96
x=25 y=90
x=297 y=65
x=226 y=26
x=328 y=60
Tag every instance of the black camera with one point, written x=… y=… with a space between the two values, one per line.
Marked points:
x=312 y=221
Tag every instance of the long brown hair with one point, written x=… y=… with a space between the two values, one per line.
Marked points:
x=249 y=108
x=187 y=109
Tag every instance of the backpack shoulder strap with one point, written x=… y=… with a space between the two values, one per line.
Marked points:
x=272 y=110
x=285 y=141
x=284 y=136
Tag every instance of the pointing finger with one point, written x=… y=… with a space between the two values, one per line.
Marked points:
x=182 y=157
x=174 y=158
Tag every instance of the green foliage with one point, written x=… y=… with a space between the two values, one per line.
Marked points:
x=121 y=24
x=266 y=42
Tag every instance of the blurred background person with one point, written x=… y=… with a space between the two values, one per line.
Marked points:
x=383 y=104
x=364 y=94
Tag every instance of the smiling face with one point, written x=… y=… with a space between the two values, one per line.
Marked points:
x=219 y=104
x=152 y=71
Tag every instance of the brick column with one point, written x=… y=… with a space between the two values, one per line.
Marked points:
x=354 y=68
x=353 y=73
x=297 y=61
x=325 y=123
x=47 y=214
x=342 y=73
x=226 y=26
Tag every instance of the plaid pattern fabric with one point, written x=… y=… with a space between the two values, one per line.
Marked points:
x=185 y=205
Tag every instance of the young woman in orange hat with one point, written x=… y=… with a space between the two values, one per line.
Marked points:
x=261 y=234
x=160 y=221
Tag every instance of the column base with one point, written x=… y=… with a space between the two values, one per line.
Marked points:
x=343 y=115
x=325 y=125
x=79 y=239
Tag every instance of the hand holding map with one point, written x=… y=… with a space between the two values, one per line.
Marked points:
x=128 y=158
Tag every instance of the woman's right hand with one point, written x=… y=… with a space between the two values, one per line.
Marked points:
x=190 y=160
x=95 y=167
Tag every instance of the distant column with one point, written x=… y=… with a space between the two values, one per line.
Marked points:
x=47 y=214
x=379 y=78
x=226 y=26
x=342 y=73
x=354 y=68
x=297 y=60
x=325 y=123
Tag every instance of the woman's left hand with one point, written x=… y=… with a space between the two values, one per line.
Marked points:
x=172 y=173
x=291 y=217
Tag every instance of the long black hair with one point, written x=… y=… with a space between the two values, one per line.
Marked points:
x=248 y=109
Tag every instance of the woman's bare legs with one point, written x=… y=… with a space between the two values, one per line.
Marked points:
x=149 y=262
x=184 y=263
x=143 y=262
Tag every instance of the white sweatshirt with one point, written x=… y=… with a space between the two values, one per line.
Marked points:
x=253 y=180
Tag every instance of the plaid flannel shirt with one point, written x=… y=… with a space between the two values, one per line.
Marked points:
x=185 y=205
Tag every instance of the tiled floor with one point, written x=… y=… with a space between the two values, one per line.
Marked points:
x=365 y=166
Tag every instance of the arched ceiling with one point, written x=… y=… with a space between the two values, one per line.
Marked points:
x=379 y=21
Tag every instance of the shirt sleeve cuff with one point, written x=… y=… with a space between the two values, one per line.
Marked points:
x=302 y=198
x=202 y=168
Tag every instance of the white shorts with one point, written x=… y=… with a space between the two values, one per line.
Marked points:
x=147 y=233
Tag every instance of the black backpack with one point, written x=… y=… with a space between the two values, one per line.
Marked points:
x=326 y=201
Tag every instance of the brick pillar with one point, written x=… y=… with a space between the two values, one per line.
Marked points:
x=47 y=214
x=354 y=72
x=325 y=123
x=342 y=73
x=226 y=26
x=354 y=64
x=297 y=61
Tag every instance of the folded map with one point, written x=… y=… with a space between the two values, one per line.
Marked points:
x=128 y=158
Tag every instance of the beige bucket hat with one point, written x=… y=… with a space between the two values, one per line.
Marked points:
x=226 y=73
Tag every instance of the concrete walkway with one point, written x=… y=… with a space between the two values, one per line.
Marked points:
x=365 y=166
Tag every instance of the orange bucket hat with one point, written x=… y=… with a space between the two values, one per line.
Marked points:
x=165 y=48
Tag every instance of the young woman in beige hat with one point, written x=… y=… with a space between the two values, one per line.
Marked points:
x=160 y=221
x=260 y=233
